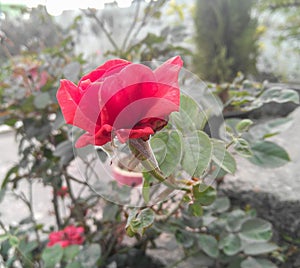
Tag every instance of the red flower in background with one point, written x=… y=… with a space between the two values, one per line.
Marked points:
x=38 y=78
x=62 y=192
x=121 y=99
x=71 y=235
x=30 y=75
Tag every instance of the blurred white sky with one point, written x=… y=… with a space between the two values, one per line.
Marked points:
x=55 y=7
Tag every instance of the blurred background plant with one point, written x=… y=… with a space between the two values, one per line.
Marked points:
x=289 y=28
x=226 y=39
x=280 y=20
x=211 y=231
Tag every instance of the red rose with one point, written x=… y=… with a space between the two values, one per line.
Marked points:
x=121 y=99
x=74 y=234
x=71 y=235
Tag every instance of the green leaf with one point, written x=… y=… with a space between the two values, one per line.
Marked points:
x=277 y=125
x=110 y=212
x=64 y=150
x=235 y=220
x=42 y=100
x=186 y=198
x=242 y=147
x=222 y=157
x=27 y=246
x=279 y=95
x=185 y=238
x=188 y=220
x=209 y=245
x=52 y=256
x=139 y=221
x=197 y=153
x=167 y=148
x=14 y=241
x=70 y=252
x=89 y=255
x=257 y=263
x=189 y=118
x=157 y=14
x=26 y=220
x=196 y=209
x=129 y=231
x=230 y=125
x=256 y=230
x=2 y=194
x=271 y=128
x=244 y=125
x=259 y=248
x=11 y=122
x=102 y=155
x=75 y=264
x=13 y=170
x=151 y=39
x=204 y=194
x=3 y=237
x=146 y=216
x=220 y=205
x=268 y=154
x=231 y=244
x=146 y=187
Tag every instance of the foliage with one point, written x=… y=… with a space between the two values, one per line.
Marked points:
x=206 y=226
x=138 y=46
x=226 y=39
x=221 y=236
x=288 y=29
x=28 y=37
x=245 y=95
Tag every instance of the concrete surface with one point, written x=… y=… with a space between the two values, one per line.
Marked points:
x=12 y=209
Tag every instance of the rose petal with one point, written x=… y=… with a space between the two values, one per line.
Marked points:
x=111 y=66
x=128 y=84
x=64 y=243
x=132 y=83
x=100 y=138
x=68 y=96
x=138 y=113
x=88 y=111
x=78 y=109
x=142 y=132
x=167 y=79
x=56 y=236
x=80 y=230
x=167 y=73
